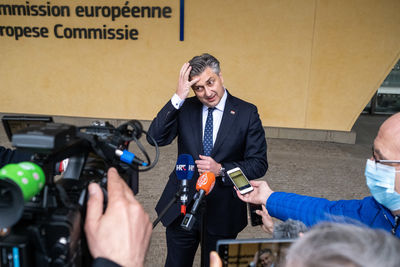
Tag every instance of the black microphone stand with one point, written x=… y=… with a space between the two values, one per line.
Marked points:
x=171 y=202
x=203 y=224
x=190 y=220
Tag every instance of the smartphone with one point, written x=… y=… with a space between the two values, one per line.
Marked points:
x=254 y=217
x=241 y=252
x=239 y=180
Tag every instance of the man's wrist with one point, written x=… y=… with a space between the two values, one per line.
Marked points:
x=177 y=101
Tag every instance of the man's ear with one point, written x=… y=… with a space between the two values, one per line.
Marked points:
x=222 y=78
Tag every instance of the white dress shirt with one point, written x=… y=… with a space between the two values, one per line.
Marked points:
x=177 y=102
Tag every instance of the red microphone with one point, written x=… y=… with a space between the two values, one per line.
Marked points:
x=204 y=185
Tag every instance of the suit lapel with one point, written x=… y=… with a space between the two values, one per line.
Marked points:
x=227 y=122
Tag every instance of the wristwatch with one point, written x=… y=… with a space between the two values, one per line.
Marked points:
x=222 y=171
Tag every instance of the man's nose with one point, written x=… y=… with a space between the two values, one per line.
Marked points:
x=207 y=91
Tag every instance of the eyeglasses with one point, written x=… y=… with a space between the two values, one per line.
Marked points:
x=384 y=161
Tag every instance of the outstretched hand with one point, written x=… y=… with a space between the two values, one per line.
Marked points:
x=259 y=195
x=268 y=223
x=122 y=233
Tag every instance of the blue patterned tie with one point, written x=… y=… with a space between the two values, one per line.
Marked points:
x=208 y=133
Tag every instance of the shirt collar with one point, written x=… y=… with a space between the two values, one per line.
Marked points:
x=221 y=104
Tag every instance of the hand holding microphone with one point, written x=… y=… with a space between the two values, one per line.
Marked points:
x=204 y=185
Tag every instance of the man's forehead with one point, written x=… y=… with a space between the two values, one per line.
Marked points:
x=385 y=148
x=205 y=76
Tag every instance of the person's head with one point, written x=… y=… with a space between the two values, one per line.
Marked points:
x=209 y=89
x=265 y=257
x=344 y=245
x=383 y=168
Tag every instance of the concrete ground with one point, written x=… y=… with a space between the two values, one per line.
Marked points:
x=316 y=168
x=320 y=169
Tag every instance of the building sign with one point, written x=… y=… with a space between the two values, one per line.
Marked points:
x=91 y=20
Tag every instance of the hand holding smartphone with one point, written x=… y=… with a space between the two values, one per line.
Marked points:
x=254 y=217
x=244 y=251
x=240 y=180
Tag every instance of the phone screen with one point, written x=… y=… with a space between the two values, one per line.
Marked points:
x=236 y=252
x=239 y=179
x=254 y=217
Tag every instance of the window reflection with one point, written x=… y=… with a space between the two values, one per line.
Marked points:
x=387 y=98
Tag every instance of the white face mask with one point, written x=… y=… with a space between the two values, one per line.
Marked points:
x=381 y=182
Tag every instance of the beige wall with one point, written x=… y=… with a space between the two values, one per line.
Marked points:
x=305 y=63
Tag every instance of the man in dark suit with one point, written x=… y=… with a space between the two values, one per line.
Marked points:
x=221 y=132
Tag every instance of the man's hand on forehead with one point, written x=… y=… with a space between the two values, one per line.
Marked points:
x=184 y=84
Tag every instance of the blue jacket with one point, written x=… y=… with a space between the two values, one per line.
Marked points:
x=312 y=210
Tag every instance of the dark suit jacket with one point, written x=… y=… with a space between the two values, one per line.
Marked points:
x=240 y=143
x=12 y=156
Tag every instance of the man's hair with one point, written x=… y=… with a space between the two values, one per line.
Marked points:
x=336 y=244
x=200 y=63
x=289 y=229
x=264 y=250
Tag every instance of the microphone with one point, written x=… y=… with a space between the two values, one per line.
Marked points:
x=129 y=157
x=184 y=171
x=204 y=185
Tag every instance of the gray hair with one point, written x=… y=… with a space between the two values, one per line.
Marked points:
x=336 y=244
x=264 y=250
x=200 y=63
x=288 y=229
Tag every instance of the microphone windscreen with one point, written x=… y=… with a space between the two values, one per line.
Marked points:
x=206 y=182
x=184 y=167
x=18 y=184
x=28 y=176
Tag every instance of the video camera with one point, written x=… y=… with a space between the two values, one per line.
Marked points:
x=42 y=209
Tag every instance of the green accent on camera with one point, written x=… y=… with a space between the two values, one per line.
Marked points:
x=27 y=175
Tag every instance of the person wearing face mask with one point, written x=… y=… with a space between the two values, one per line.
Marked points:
x=381 y=210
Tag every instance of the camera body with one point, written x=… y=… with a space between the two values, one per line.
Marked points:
x=45 y=237
x=50 y=229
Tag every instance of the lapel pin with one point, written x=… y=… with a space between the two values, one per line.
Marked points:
x=233 y=112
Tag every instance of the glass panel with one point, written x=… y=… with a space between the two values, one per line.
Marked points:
x=387 y=98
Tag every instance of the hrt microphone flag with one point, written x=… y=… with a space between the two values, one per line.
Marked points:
x=204 y=185
x=184 y=171
x=184 y=167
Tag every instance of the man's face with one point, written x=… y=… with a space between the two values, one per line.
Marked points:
x=209 y=89
x=383 y=150
x=266 y=259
